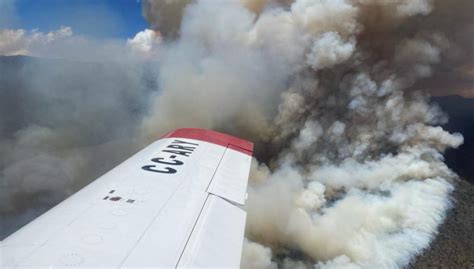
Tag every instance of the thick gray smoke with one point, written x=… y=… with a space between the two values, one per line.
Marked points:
x=63 y=122
x=165 y=15
x=333 y=92
x=352 y=172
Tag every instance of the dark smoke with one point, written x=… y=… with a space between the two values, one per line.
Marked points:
x=62 y=124
x=165 y=15
x=336 y=93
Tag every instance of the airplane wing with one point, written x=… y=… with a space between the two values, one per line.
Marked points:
x=175 y=204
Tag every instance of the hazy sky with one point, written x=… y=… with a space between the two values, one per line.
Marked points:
x=98 y=18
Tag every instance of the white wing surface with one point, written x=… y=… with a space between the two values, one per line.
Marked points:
x=175 y=204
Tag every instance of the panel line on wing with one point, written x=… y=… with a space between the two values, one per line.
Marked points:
x=186 y=180
x=231 y=177
x=38 y=247
x=153 y=220
x=192 y=231
x=215 y=171
x=201 y=210
x=216 y=240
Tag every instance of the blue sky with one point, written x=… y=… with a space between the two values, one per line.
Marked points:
x=97 y=18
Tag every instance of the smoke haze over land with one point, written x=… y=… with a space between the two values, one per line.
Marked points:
x=349 y=171
x=62 y=124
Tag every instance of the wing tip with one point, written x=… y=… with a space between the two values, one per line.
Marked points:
x=214 y=137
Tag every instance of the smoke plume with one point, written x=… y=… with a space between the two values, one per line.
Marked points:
x=63 y=122
x=350 y=172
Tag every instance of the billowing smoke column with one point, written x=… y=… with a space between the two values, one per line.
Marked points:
x=352 y=172
x=62 y=124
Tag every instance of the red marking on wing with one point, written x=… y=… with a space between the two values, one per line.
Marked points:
x=214 y=137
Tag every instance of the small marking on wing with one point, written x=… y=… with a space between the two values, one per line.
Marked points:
x=117 y=198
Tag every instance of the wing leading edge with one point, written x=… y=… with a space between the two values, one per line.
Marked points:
x=175 y=204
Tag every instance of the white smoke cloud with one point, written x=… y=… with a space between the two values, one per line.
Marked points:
x=145 y=42
x=21 y=42
x=354 y=174
x=256 y=256
x=329 y=50
x=63 y=43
